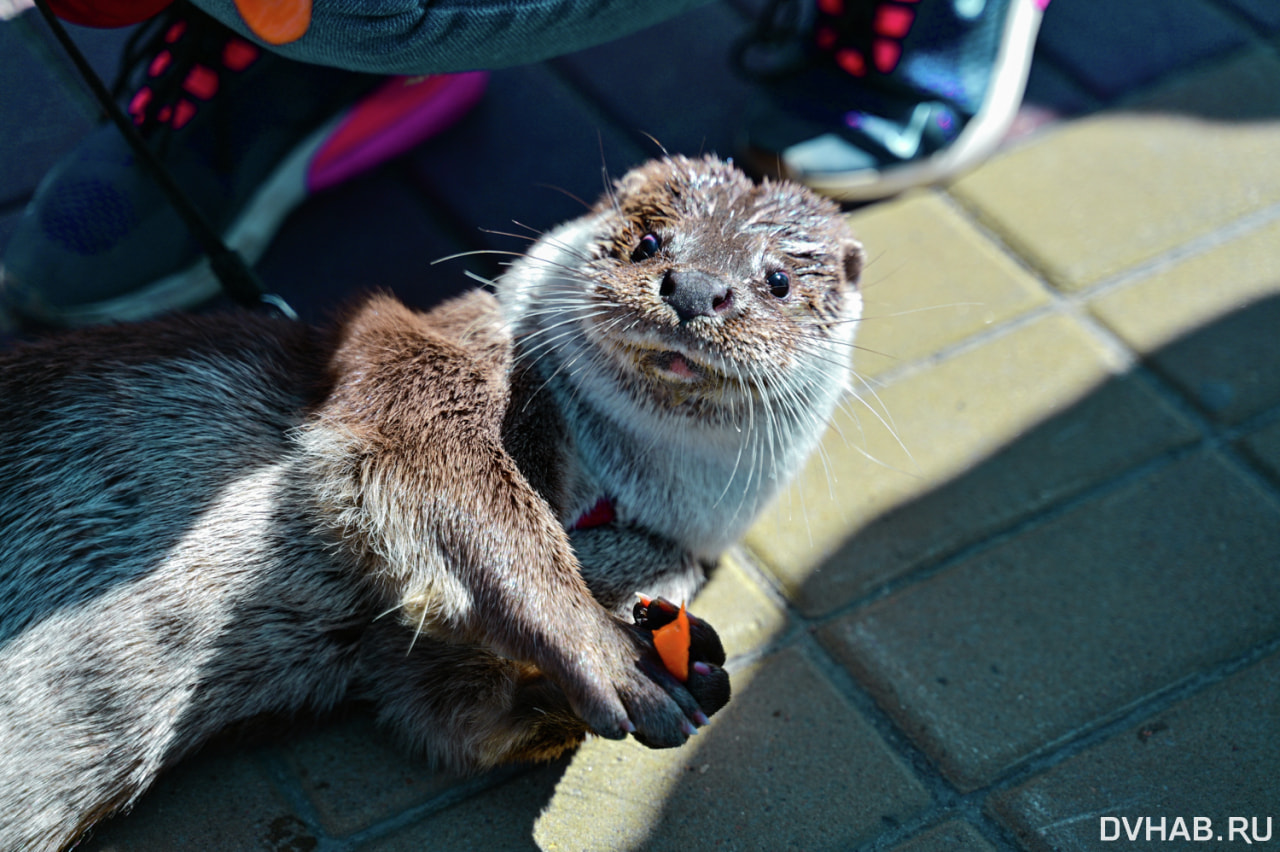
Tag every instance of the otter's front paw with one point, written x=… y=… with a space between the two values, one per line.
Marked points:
x=688 y=650
x=618 y=683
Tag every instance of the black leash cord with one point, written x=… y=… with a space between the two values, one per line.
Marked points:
x=238 y=279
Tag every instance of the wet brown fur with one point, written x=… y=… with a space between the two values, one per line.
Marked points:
x=203 y=520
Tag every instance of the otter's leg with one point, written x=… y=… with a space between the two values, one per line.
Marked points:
x=619 y=562
x=408 y=451
x=461 y=705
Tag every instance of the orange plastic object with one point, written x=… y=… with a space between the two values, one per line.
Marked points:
x=672 y=641
x=276 y=21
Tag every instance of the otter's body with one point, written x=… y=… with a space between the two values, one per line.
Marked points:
x=207 y=519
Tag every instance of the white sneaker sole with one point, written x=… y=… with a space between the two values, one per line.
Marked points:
x=249 y=235
x=979 y=139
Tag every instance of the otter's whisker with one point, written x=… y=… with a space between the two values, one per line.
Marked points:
x=474 y=253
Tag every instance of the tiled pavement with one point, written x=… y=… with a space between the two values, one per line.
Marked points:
x=1032 y=584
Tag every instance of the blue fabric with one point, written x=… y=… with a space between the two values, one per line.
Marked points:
x=432 y=36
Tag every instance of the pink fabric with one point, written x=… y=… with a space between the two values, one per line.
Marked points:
x=401 y=113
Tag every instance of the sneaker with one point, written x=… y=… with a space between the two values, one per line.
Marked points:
x=883 y=95
x=247 y=135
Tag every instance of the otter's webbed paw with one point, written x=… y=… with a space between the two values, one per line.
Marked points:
x=685 y=657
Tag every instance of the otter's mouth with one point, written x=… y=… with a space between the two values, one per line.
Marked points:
x=673 y=366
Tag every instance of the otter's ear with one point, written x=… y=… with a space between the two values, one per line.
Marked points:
x=635 y=179
x=852 y=259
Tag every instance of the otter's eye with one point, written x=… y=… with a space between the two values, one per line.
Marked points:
x=646 y=248
x=779 y=284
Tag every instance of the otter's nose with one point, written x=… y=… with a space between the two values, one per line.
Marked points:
x=693 y=293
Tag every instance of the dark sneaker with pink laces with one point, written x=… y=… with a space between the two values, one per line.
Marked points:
x=246 y=134
x=870 y=97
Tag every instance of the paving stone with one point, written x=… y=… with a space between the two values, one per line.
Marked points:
x=954 y=836
x=1114 y=51
x=1051 y=96
x=1118 y=189
x=1040 y=637
x=993 y=434
x=355 y=776
x=502 y=818
x=208 y=802
x=323 y=255
x=746 y=618
x=646 y=105
x=1229 y=367
x=8 y=221
x=788 y=764
x=488 y=175
x=1048 y=86
x=1217 y=342
x=931 y=281
x=1264 y=12
x=1213 y=756
x=1264 y=446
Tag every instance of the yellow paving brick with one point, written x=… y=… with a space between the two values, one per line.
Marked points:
x=932 y=280
x=1209 y=323
x=1052 y=631
x=738 y=609
x=1264 y=446
x=788 y=764
x=1105 y=194
x=213 y=801
x=356 y=775
x=1200 y=774
x=500 y=819
x=1017 y=398
x=951 y=836
x=1156 y=310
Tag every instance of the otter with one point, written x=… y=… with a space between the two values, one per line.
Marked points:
x=447 y=515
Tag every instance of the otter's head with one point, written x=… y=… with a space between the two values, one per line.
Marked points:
x=691 y=288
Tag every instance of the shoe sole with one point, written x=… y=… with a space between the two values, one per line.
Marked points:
x=253 y=230
x=981 y=136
